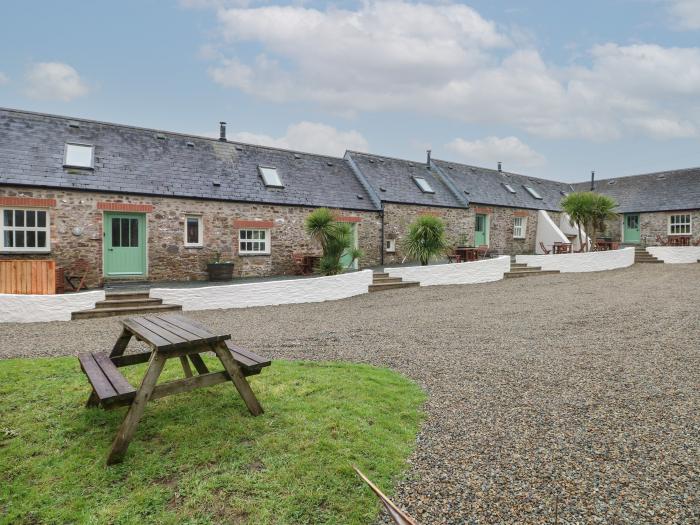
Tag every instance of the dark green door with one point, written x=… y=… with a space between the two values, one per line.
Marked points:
x=124 y=244
x=632 y=231
x=346 y=258
x=481 y=230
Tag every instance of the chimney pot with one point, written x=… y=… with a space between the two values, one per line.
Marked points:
x=592 y=180
x=222 y=131
x=499 y=166
x=428 y=158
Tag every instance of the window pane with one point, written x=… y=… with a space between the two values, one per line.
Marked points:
x=116 y=233
x=31 y=239
x=19 y=217
x=19 y=239
x=41 y=219
x=31 y=218
x=41 y=240
x=262 y=234
x=7 y=217
x=8 y=239
x=249 y=246
x=134 y=232
x=78 y=156
x=256 y=234
x=243 y=234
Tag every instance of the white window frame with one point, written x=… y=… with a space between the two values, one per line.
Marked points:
x=271 y=171
x=24 y=249
x=689 y=224
x=522 y=227
x=92 y=156
x=533 y=192
x=423 y=184
x=200 y=231
x=267 y=241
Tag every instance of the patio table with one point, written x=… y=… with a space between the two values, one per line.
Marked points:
x=169 y=337
x=561 y=247
x=467 y=253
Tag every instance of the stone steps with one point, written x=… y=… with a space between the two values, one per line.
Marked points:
x=382 y=281
x=126 y=303
x=527 y=272
x=644 y=257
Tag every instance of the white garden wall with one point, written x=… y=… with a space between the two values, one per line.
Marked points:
x=581 y=262
x=457 y=273
x=676 y=254
x=569 y=229
x=37 y=308
x=547 y=232
x=312 y=290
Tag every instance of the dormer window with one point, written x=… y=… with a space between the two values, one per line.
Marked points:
x=533 y=192
x=423 y=185
x=508 y=187
x=270 y=177
x=79 y=156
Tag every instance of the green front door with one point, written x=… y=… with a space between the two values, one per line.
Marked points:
x=632 y=233
x=481 y=230
x=346 y=259
x=124 y=244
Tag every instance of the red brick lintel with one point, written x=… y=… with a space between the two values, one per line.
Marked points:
x=262 y=225
x=483 y=211
x=349 y=219
x=521 y=213
x=123 y=206
x=28 y=202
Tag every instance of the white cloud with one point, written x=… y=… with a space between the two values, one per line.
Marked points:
x=487 y=152
x=313 y=137
x=54 y=81
x=3 y=78
x=686 y=13
x=446 y=60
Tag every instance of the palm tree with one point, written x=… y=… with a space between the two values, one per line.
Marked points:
x=425 y=239
x=335 y=239
x=578 y=206
x=602 y=211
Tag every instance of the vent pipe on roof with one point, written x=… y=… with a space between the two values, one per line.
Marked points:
x=592 y=180
x=500 y=167
x=222 y=131
x=428 y=159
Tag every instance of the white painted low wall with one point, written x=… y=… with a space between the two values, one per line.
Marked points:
x=581 y=262
x=484 y=271
x=676 y=254
x=547 y=232
x=312 y=290
x=37 y=308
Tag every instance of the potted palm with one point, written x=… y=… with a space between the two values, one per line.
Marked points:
x=425 y=239
x=336 y=240
x=219 y=270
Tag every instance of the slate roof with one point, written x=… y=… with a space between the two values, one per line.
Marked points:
x=486 y=186
x=392 y=181
x=134 y=160
x=661 y=191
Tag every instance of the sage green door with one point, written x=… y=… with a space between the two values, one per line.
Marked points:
x=124 y=244
x=632 y=233
x=346 y=259
x=481 y=230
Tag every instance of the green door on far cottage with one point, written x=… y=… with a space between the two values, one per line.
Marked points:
x=346 y=259
x=631 y=228
x=481 y=230
x=124 y=244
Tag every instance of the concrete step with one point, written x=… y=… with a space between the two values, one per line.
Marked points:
x=127 y=295
x=391 y=286
x=510 y=275
x=119 y=303
x=649 y=261
x=380 y=274
x=109 y=312
x=381 y=280
x=524 y=268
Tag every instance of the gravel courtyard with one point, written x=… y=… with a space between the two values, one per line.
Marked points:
x=574 y=395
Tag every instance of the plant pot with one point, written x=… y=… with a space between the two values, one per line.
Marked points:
x=220 y=271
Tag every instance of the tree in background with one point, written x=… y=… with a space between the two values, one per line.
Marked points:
x=335 y=239
x=603 y=210
x=588 y=210
x=425 y=239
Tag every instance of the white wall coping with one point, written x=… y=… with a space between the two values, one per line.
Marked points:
x=484 y=271
x=19 y=308
x=676 y=254
x=268 y=293
x=581 y=262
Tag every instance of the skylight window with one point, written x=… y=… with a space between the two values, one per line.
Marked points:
x=78 y=156
x=423 y=185
x=270 y=177
x=533 y=192
x=508 y=187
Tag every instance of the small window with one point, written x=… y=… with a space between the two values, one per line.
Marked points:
x=253 y=242
x=79 y=156
x=193 y=230
x=423 y=185
x=270 y=177
x=24 y=230
x=390 y=245
x=508 y=187
x=533 y=192
x=519 y=227
x=680 y=224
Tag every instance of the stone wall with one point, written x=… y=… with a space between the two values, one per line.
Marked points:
x=501 y=239
x=76 y=232
x=653 y=224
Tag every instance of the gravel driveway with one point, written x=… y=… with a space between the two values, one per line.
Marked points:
x=574 y=392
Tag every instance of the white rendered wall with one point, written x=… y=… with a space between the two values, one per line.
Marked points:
x=676 y=254
x=547 y=232
x=267 y=293
x=484 y=271
x=581 y=262
x=37 y=308
x=568 y=229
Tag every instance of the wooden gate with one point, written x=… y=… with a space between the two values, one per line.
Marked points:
x=28 y=277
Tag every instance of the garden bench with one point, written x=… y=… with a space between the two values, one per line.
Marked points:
x=169 y=336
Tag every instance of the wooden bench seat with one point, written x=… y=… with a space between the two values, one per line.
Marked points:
x=250 y=363
x=108 y=383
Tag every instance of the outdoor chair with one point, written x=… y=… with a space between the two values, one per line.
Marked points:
x=454 y=257
x=77 y=272
x=544 y=249
x=482 y=251
x=661 y=241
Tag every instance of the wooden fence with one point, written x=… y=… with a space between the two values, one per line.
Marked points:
x=27 y=276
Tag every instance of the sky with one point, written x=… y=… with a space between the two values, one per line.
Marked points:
x=551 y=88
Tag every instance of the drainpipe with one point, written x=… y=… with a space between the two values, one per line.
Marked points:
x=381 y=246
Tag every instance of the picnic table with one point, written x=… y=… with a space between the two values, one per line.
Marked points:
x=169 y=336
x=561 y=247
x=467 y=253
x=602 y=245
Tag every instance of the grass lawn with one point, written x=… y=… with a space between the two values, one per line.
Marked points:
x=199 y=457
